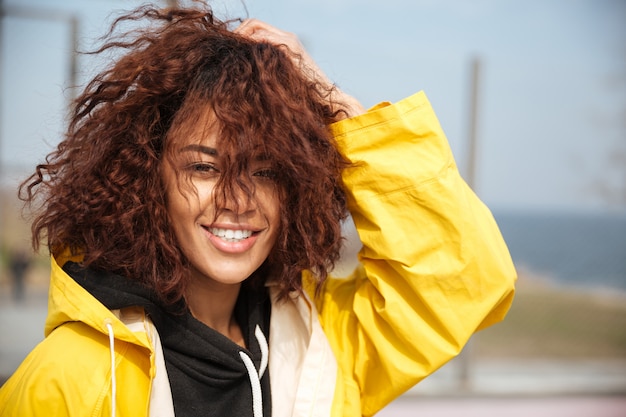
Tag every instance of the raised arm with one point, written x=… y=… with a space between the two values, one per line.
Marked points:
x=435 y=268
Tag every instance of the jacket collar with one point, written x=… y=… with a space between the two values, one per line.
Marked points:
x=68 y=301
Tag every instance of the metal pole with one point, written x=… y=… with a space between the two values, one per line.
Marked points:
x=73 y=57
x=465 y=358
x=473 y=124
x=2 y=176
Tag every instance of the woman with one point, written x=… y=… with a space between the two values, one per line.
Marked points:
x=194 y=215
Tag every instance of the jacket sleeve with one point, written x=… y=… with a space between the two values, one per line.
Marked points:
x=434 y=267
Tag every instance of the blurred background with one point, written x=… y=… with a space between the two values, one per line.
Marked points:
x=532 y=96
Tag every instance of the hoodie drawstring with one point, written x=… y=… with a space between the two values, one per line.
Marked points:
x=113 y=379
x=255 y=377
x=260 y=337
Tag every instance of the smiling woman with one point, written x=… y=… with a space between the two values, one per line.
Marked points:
x=225 y=240
x=194 y=212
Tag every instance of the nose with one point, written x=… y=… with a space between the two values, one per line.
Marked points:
x=238 y=198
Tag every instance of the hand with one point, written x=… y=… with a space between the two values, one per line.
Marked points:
x=262 y=32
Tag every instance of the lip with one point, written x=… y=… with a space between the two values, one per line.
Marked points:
x=232 y=247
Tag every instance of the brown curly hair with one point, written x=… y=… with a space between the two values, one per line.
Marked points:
x=100 y=192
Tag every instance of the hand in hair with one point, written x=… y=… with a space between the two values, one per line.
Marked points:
x=263 y=32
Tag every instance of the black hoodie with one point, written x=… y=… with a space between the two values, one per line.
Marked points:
x=207 y=374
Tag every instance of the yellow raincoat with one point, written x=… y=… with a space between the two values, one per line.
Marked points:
x=433 y=270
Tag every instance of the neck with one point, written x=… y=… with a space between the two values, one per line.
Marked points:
x=214 y=305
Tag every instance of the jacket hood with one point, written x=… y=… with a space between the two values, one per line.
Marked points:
x=69 y=301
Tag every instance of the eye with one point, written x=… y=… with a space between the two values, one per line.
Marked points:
x=202 y=168
x=265 y=173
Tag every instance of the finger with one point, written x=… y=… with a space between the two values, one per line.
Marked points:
x=250 y=27
x=245 y=27
x=263 y=32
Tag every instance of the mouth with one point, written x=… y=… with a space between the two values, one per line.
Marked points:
x=231 y=235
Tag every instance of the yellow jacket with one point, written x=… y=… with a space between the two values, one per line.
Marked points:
x=433 y=270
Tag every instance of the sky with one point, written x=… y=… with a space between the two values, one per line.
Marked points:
x=551 y=127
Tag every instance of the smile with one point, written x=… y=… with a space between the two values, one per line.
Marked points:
x=230 y=235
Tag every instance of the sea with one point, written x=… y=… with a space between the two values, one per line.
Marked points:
x=585 y=250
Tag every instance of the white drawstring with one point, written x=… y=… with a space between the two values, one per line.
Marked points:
x=255 y=377
x=112 y=349
x=255 y=383
x=260 y=337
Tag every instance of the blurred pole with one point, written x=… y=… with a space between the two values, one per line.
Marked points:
x=473 y=124
x=73 y=57
x=465 y=358
x=2 y=199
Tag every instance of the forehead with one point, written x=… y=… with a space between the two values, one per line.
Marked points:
x=198 y=130
x=194 y=125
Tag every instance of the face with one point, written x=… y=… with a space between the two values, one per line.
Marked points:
x=226 y=244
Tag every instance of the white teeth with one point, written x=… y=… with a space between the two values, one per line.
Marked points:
x=230 y=235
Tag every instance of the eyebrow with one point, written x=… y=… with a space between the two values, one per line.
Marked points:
x=200 y=148
x=213 y=152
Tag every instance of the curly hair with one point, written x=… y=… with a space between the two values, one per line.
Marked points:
x=100 y=192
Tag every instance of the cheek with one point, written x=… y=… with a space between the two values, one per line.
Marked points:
x=185 y=199
x=271 y=203
x=180 y=208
